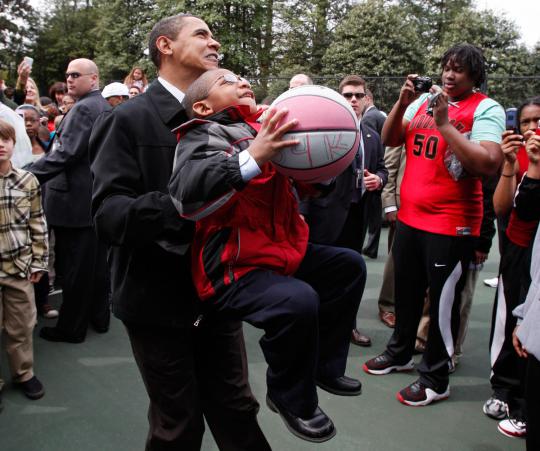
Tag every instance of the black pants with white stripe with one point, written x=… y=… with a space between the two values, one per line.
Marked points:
x=507 y=369
x=425 y=260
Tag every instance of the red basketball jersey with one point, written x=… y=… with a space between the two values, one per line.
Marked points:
x=431 y=199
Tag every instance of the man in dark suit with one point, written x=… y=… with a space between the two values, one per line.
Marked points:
x=66 y=169
x=341 y=217
x=192 y=364
x=371 y=116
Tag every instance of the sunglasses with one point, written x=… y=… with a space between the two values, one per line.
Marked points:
x=74 y=75
x=358 y=95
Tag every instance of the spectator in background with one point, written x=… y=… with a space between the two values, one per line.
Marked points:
x=514 y=276
x=26 y=90
x=67 y=103
x=448 y=151
x=115 y=93
x=526 y=336
x=66 y=169
x=6 y=95
x=300 y=80
x=138 y=78
x=134 y=90
x=32 y=124
x=371 y=115
x=22 y=154
x=57 y=92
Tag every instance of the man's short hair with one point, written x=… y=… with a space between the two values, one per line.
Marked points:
x=199 y=90
x=369 y=93
x=168 y=27
x=7 y=131
x=354 y=80
x=471 y=58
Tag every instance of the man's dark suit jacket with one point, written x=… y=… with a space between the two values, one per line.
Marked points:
x=132 y=149
x=375 y=119
x=69 y=193
x=326 y=215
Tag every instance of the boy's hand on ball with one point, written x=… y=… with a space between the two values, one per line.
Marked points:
x=269 y=141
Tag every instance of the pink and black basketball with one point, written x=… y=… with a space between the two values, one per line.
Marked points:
x=327 y=130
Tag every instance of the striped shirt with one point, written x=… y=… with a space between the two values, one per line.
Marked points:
x=23 y=229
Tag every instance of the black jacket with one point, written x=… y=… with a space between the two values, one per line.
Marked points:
x=66 y=166
x=326 y=216
x=375 y=119
x=132 y=149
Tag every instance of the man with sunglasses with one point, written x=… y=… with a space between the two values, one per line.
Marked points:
x=66 y=170
x=194 y=366
x=341 y=218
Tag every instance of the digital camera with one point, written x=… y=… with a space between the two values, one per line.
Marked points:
x=422 y=84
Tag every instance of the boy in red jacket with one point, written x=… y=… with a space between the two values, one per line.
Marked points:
x=250 y=256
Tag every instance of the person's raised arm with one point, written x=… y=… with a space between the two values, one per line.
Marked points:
x=483 y=158
x=503 y=197
x=393 y=132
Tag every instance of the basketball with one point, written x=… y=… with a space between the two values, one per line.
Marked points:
x=327 y=130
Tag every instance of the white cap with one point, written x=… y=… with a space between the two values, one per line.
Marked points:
x=115 y=89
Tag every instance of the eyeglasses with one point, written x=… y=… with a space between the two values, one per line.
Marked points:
x=74 y=75
x=358 y=95
x=231 y=79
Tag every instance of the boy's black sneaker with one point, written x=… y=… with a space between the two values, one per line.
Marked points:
x=383 y=364
x=32 y=388
x=417 y=394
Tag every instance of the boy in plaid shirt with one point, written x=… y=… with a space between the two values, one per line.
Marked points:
x=23 y=260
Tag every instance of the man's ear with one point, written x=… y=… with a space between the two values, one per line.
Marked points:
x=202 y=108
x=163 y=44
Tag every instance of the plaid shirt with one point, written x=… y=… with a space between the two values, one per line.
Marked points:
x=23 y=229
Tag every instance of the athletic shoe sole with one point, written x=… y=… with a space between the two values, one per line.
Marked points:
x=273 y=408
x=431 y=396
x=510 y=433
x=398 y=368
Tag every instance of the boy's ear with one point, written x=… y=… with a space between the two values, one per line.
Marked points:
x=202 y=108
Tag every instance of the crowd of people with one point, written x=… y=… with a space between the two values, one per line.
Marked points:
x=161 y=201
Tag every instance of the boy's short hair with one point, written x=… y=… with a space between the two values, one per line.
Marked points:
x=199 y=90
x=471 y=58
x=354 y=80
x=7 y=131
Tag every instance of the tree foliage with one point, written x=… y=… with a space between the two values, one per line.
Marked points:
x=18 y=25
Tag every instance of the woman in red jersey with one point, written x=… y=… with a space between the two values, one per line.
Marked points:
x=507 y=368
x=452 y=138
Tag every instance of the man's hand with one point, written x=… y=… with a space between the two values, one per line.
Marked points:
x=521 y=351
x=35 y=277
x=372 y=181
x=391 y=216
x=268 y=142
x=479 y=257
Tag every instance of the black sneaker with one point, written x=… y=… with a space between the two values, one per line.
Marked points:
x=383 y=364
x=417 y=394
x=32 y=388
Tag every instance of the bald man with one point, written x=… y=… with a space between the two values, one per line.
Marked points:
x=300 y=80
x=66 y=171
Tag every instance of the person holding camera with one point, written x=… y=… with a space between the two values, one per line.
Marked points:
x=452 y=138
x=507 y=369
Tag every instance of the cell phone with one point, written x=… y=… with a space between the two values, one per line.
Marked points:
x=537 y=131
x=28 y=61
x=512 y=120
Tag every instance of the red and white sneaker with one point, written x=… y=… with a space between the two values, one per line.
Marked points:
x=382 y=364
x=513 y=427
x=417 y=394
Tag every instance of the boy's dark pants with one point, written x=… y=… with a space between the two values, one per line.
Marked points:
x=307 y=321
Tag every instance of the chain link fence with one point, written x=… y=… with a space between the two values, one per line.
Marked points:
x=508 y=90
